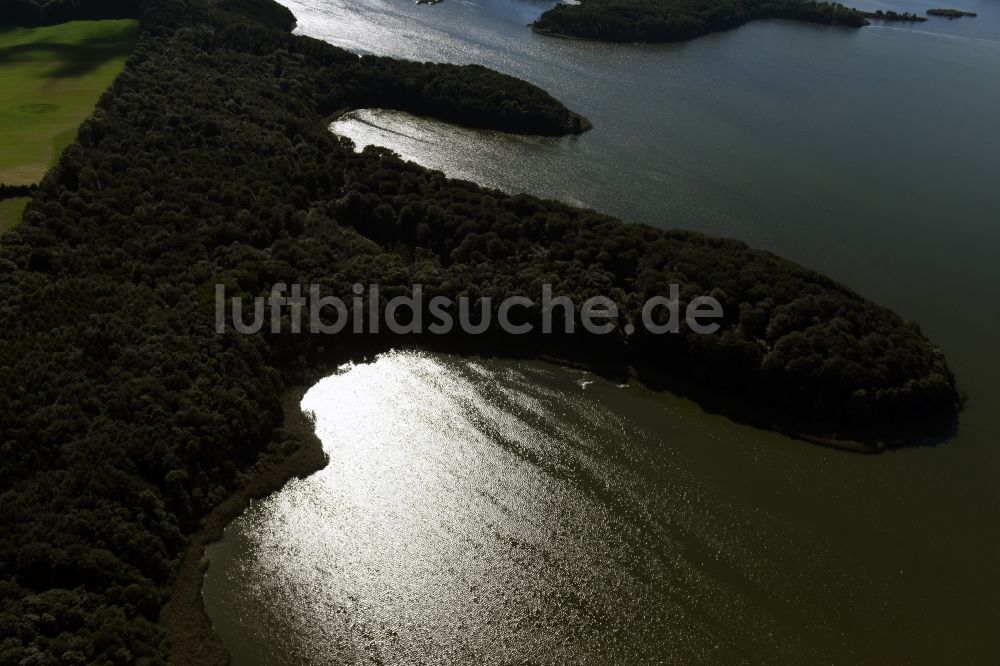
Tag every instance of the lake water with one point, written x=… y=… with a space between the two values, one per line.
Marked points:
x=497 y=512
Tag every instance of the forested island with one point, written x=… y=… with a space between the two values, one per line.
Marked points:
x=126 y=419
x=680 y=20
x=949 y=13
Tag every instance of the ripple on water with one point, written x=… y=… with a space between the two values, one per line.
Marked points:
x=488 y=512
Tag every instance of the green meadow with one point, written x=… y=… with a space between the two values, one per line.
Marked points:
x=10 y=212
x=50 y=81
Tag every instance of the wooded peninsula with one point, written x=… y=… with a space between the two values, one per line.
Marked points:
x=680 y=20
x=126 y=418
x=950 y=13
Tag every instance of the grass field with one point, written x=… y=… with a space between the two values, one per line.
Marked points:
x=10 y=212
x=50 y=80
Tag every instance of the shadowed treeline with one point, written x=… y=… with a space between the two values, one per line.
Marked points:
x=72 y=59
x=32 y=13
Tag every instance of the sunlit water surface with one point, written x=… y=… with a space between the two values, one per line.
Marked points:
x=497 y=512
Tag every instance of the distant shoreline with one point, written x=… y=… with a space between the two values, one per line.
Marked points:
x=618 y=23
x=558 y=35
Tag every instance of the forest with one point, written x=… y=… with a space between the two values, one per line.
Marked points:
x=13 y=191
x=680 y=20
x=125 y=418
x=949 y=13
x=902 y=17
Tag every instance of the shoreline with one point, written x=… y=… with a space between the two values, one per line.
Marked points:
x=190 y=632
x=637 y=42
x=582 y=121
x=559 y=35
x=576 y=120
x=338 y=114
x=838 y=443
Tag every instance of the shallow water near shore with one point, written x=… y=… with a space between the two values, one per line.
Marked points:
x=496 y=511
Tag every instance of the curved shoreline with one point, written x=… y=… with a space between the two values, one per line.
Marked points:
x=559 y=35
x=189 y=628
x=190 y=632
x=576 y=120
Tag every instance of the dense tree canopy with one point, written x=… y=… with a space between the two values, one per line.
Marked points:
x=124 y=416
x=678 y=20
x=901 y=17
x=949 y=13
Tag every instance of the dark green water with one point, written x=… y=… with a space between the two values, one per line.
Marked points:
x=495 y=512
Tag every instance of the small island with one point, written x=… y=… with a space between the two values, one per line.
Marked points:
x=949 y=13
x=902 y=17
